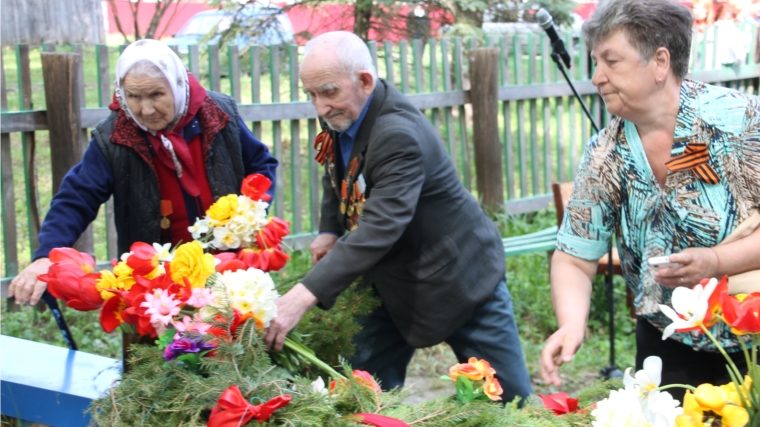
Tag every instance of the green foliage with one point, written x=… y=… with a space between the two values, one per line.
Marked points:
x=166 y=394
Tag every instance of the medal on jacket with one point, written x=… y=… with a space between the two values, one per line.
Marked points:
x=347 y=189
x=343 y=197
x=166 y=210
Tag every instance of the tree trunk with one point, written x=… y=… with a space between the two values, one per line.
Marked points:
x=362 y=18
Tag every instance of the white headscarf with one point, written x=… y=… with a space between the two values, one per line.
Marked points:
x=165 y=60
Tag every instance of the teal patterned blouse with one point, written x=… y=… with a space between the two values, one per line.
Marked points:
x=615 y=192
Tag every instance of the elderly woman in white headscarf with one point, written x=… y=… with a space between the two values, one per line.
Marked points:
x=168 y=149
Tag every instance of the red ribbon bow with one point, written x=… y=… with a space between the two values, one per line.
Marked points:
x=560 y=403
x=233 y=410
x=381 y=421
x=696 y=158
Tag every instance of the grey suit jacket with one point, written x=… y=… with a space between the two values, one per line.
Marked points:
x=422 y=240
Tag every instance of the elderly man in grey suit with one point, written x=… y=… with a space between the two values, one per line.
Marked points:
x=395 y=213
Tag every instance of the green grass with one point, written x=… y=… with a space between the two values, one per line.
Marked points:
x=528 y=283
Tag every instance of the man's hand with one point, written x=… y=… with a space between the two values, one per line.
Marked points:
x=321 y=246
x=559 y=349
x=696 y=264
x=25 y=287
x=290 y=309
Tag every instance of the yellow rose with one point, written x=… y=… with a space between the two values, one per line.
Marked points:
x=223 y=210
x=190 y=262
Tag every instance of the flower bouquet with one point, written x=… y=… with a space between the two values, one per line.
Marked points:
x=644 y=402
x=475 y=380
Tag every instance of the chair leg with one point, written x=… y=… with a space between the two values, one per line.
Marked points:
x=56 y=311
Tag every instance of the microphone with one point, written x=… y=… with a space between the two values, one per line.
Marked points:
x=544 y=19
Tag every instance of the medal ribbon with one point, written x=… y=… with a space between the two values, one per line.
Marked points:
x=695 y=158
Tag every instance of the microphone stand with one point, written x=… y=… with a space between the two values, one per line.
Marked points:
x=610 y=371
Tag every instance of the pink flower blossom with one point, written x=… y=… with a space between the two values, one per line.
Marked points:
x=200 y=297
x=161 y=306
x=190 y=325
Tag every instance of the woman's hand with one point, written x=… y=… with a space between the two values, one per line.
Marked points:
x=25 y=287
x=696 y=264
x=559 y=349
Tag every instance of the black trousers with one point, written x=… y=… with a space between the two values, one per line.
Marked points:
x=680 y=363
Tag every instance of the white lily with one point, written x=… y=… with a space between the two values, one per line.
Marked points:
x=164 y=251
x=648 y=378
x=689 y=307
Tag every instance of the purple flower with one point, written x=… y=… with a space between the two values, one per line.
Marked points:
x=186 y=345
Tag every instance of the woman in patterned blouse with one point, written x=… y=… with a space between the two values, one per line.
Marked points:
x=674 y=173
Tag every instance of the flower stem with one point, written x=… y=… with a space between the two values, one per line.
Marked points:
x=306 y=354
x=731 y=364
x=686 y=386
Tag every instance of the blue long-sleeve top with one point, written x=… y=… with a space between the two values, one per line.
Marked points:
x=90 y=183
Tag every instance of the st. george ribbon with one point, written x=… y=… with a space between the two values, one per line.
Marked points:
x=544 y=19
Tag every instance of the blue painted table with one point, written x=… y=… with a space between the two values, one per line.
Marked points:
x=51 y=385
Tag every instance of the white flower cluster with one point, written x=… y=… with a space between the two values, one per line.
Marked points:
x=248 y=219
x=628 y=407
x=248 y=291
x=639 y=404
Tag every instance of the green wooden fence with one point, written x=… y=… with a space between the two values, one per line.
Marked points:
x=541 y=125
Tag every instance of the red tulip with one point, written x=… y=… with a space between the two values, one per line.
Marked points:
x=70 y=279
x=742 y=312
x=111 y=313
x=229 y=262
x=144 y=259
x=714 y=305
x=255 y=187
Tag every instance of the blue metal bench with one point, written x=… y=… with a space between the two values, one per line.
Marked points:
x=52 y=385
x=540 y=241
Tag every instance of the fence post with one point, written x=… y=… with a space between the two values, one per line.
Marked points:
x=60 y=74
x=484 y=96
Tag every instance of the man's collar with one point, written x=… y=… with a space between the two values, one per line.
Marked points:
x=354 y=128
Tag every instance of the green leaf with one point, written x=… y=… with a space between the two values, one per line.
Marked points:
x=190 y=359
x=166 y=338
x=445 y=377
x=465 y=392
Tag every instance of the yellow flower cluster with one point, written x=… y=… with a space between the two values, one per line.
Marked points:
x=711 y=405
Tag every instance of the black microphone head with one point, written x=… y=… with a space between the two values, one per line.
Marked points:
x=544 y=19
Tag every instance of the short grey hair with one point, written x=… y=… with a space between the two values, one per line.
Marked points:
x=351 y=51
x=144 y=68
x=648 y=25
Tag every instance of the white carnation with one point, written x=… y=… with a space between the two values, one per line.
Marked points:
x=249 y=291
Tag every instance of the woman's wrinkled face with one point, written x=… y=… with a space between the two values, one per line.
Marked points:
x=150 y=100
x=625 y=82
